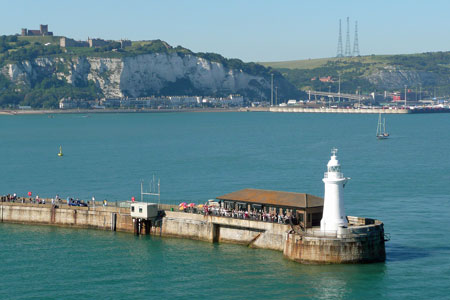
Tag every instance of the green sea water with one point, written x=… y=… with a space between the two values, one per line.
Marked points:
x=403 y=181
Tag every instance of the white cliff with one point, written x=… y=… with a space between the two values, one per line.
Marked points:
x=140 y=75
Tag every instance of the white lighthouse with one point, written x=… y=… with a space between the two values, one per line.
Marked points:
x=333 y=207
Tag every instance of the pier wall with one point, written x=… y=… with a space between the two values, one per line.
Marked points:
x=362 y=244
x=105 y=218
x=222 y=229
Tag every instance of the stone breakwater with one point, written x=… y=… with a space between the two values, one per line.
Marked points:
x=100 y=217
x=362 y=242
x=339 y=110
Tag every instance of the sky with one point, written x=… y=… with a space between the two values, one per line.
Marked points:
x=252 y=30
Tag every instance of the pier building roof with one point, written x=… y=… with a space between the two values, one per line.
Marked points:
x=273 y=198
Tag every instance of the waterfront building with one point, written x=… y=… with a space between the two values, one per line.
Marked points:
x=69 y=103
x=110 y=102
x=291 y=102
x=306 y=209
x=185 y=101
x=231 y=100
x=234 y=100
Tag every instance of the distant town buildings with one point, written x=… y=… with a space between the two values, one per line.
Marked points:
x=153 y=102
x=43 y=31
x=69 y=103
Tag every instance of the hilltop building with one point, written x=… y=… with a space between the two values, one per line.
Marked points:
x=125 y=43
x=68 y=42
x=97 y=43
x=92 y=43
x=43 y=31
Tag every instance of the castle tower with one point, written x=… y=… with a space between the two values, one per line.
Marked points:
x=44 y=29
x=333 y=205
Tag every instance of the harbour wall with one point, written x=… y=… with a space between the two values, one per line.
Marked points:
x=101 y=217
x=288 y=109
x=363 y=241
x=252 y=233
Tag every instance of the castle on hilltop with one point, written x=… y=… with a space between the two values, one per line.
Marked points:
x=65 y=42
x=43 y=31
x=68 y=42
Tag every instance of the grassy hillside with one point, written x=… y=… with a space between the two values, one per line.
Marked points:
x=40 y=39
x=427 y=70
x=320 y=62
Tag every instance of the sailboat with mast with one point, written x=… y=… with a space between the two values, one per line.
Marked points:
x=381 y=129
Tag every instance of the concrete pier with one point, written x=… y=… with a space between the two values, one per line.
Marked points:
x=293 y=109
x=99 y=217
x=361 y=242
x=257 y=234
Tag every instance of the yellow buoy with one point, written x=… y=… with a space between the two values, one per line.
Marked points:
x=60 y=151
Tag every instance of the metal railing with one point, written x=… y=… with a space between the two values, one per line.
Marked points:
x=335 y=234
x=338 y=174
x=242 y=215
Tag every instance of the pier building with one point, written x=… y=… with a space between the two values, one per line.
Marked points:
x=305 y=209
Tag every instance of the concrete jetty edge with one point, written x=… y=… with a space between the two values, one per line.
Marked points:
x=362 y=242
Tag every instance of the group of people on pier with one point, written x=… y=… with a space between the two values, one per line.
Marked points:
x=257 y=215
x=9 y=198
x=16 y=199
x=13 y=198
